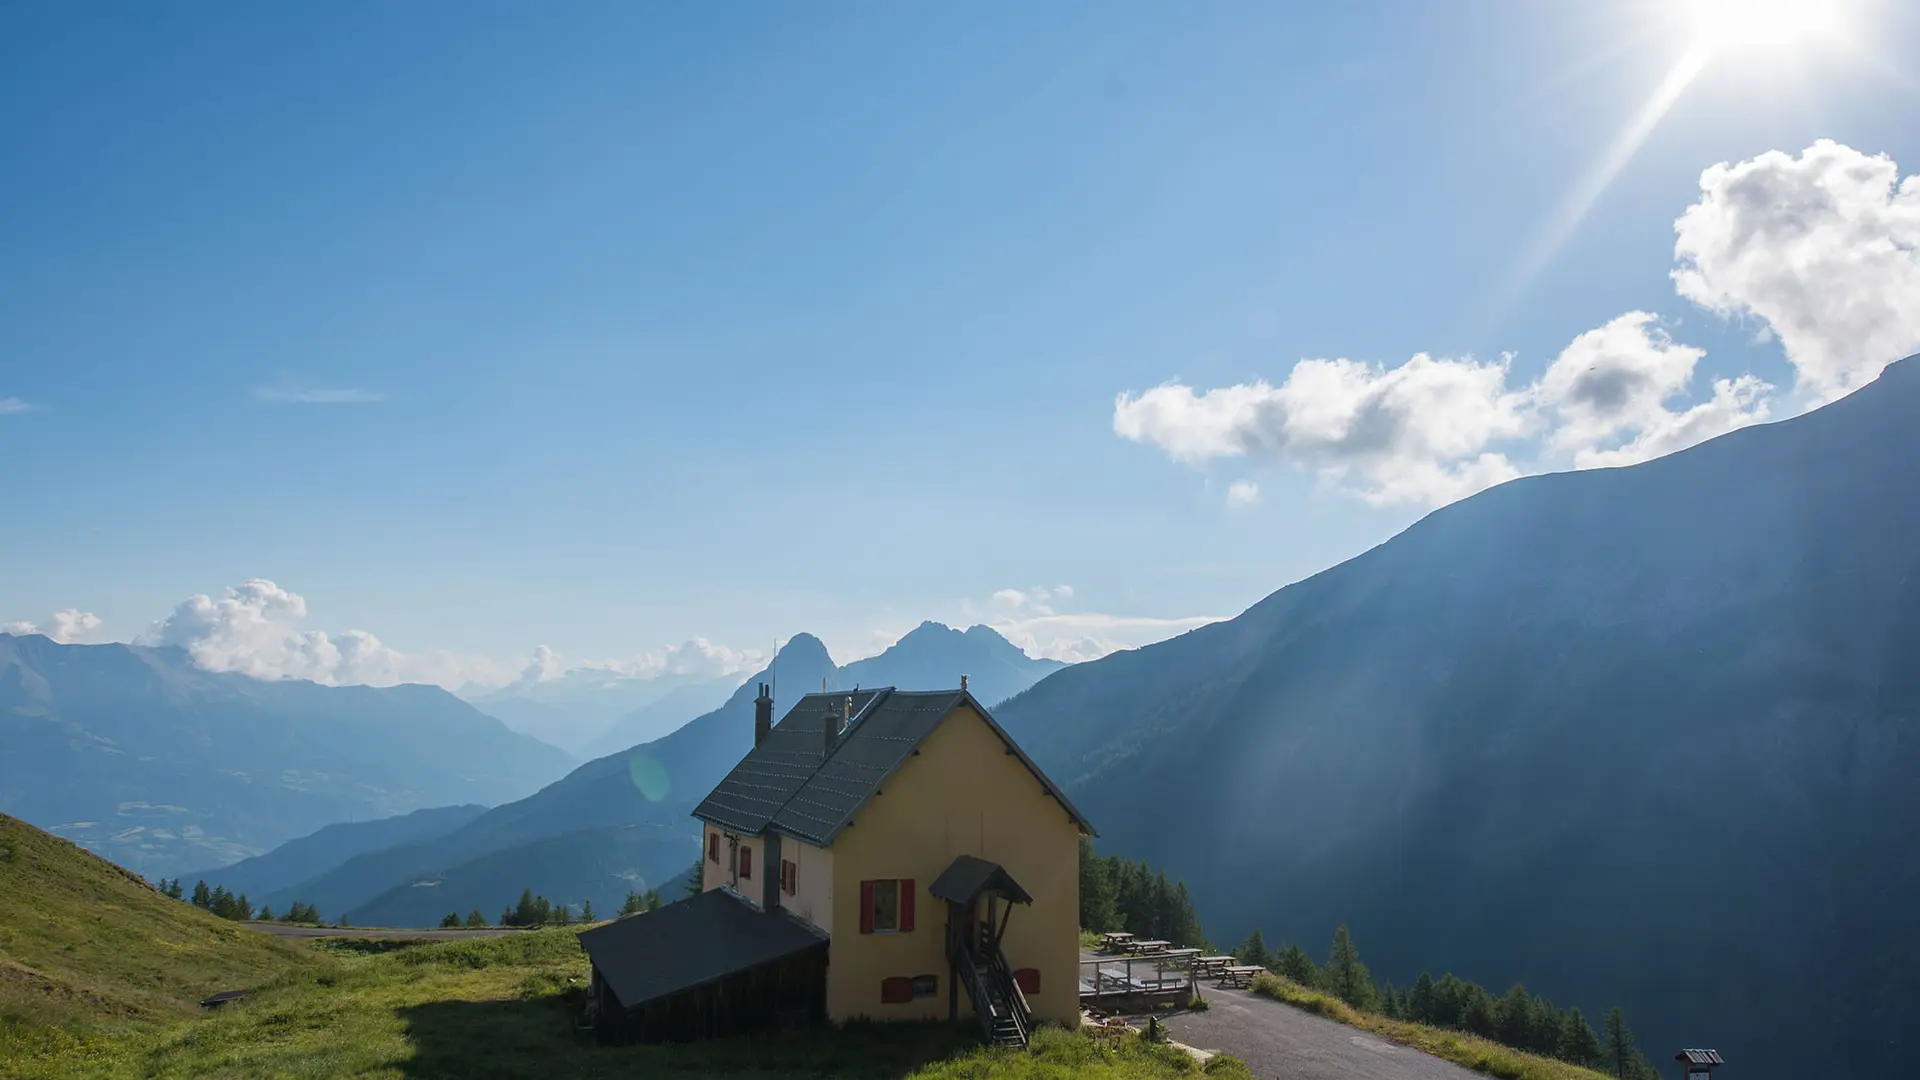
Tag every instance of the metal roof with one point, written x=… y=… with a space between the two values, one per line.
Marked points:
x=1699 y=1057
x=966 y=878
x=690 y=943
x=787 y=784
x=748 y=797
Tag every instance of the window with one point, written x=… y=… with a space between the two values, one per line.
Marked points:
x=713 y=847
x=746 y=862
x=886 y=906
x=789 y=877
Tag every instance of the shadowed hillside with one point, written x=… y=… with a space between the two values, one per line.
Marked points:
x=1647 y=736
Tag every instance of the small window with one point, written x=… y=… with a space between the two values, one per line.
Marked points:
x=713 y=847
x=926 y=986
x=886 y=906
x=746 y=862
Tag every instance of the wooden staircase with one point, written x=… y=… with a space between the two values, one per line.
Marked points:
x=998 y=1004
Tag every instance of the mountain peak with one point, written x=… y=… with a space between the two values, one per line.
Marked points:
x=803 y=647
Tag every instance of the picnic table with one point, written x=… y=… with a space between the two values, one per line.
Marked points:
x=1180 y=957
x=1240 y=975
x=1209 y=967
x=1138 y=947
x=1115 y=940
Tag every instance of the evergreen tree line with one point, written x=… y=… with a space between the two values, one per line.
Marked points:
x=1517 y=1018
x=1120 y=894
x=532 y=910
x=236 y=907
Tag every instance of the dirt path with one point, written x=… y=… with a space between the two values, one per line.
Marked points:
x=287 y=931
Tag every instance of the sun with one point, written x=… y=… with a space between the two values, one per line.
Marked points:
x=1723 y=25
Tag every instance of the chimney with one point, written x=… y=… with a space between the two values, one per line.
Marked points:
x=829 y=731
x=762 y=715
x=963 y=682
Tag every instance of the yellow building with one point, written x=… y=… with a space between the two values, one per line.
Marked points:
x=904 y=835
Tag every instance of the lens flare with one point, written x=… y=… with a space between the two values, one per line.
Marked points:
x=649 y=777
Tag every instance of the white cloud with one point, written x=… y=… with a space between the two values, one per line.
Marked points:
x=1420 y=432
x=253 y=629
x=1607 y=394
x=293 y=393
x=1028 y=618
x=11 y=405
x=695 y=656
x=69 y=627
x=1243 y=493
x=1823 y=246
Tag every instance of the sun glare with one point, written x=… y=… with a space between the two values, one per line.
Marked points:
x=1720 y=25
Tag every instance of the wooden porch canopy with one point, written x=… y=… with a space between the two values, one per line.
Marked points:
x=966 y=879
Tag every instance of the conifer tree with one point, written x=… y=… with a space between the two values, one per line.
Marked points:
x=450 y=921
x=1346 y=977
x=1578 y=1044
x=560 y=915
x=1253 y=950
x=1617 y=1051
x=174 y=889
x=266 y=913
x=1390 y=1006
x=1295 y=964
x=475 y=920
x=693 y=886
x=635 y=903
x=1419 y=1006
x=1513 y=1018
x=653 y=900
x=586 y=911
x=202 y=896
x=1099 y=895
x=524 y=912
x=1476 y=1014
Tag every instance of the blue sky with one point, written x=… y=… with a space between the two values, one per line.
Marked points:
x=607 y=326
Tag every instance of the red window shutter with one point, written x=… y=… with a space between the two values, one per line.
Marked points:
x=906 y=904
x=746 y=861
x=1028 y=979
x=866 y=907
x=713 y=847
x=897 y=989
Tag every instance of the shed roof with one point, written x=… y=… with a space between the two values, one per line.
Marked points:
x=1699 y=1057
x=966 y=877
x=888 y=726
x=690 y=943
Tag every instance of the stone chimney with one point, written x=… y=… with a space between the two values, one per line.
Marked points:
x=762 y=715
x=829 y=731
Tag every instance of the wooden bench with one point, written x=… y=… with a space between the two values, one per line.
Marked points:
x=1180 y=957
x=1115 y=941
x=1240 y=975
x=1138 y=947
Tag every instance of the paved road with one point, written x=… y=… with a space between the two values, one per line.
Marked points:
x=287 y=931
x=1280 y=1042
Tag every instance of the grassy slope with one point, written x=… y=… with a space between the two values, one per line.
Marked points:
x=89 y=948
x=1480 y=1055
x=505 y=1007
x=100 y=976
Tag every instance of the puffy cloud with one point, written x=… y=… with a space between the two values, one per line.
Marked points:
x=10 y=405
x=1420 y=432
x=252 y=629
x=1243 y=493
x=1823 y=246
x=1038 y=600
x=69 y=627
x=695 y=656
x=1607 y=394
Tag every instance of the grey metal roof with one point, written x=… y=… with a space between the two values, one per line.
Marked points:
x=1699 y=1057
x=788 y=785
x=746 y=800
x=690 y=943
x=966 y=877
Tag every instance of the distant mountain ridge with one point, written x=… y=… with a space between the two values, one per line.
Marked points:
x=1646 y=736
x=586 y=707
x=162 y=767
x=284 y=869
x=653 y=785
